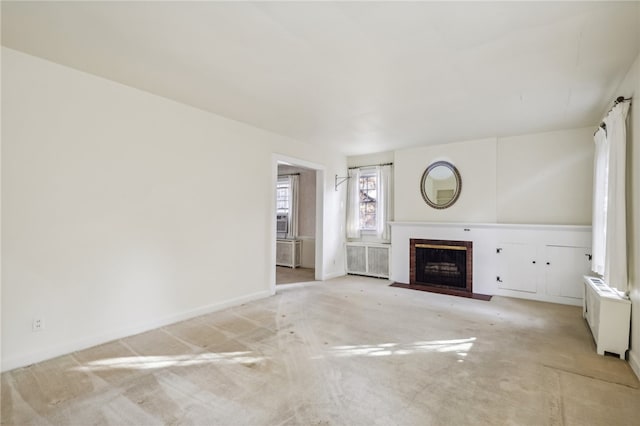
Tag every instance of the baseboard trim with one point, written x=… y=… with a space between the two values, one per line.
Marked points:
x=87 y=342
x=333 y=275
x=634 y=362
x=538 y=297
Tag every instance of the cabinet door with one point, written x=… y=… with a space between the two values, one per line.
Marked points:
x=517 y=267
x=564 y=268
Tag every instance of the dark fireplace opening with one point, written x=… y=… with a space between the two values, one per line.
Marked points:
x=436 y=265
x=442 y=264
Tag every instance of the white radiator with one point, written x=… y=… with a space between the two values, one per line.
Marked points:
x=608 y=314
x=371 y=259
x=288 y=253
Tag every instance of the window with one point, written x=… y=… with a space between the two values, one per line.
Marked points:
x=282 y=206
x=368 y=187
x=369 y=208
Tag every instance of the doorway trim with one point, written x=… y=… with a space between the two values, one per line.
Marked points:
x=319 y=238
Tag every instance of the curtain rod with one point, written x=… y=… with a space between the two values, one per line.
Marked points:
x=289 y=174
x=618 y=100
x=340 y=180
x=371 y=165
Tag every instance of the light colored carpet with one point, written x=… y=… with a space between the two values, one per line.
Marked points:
x=351 y=351
x=286 y=275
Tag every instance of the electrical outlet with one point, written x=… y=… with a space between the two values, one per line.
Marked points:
x=38 y=324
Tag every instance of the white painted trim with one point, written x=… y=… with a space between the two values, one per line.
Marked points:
x=580 y=228
x=87 y=342
x=334 y=275
x=634 y=362
x=368 y=243
x=289 y=286
x=538 y=297
x=320 y=184
x=274 y=225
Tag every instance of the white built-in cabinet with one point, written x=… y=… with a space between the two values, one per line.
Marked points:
x=562 y=263
x=552 y=270
x=538 y=262
x=517 y=267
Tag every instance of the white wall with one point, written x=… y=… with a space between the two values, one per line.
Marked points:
x=543 y=178
x=371 y=159
x=476 y=162
x=123 y=211
x=546 y=178
x=631 y=88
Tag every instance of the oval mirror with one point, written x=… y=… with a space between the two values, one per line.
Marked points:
x=440 y=184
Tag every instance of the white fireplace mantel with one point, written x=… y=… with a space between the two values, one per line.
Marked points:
x=537 y=261
x=517 y=226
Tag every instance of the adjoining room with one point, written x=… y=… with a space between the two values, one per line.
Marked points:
x=337 y=213
x=296 y=224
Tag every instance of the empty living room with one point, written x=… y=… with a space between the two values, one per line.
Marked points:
x=320 y=213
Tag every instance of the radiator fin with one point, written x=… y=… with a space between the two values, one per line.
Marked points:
x=379 y=261
x=356 y=259
x=368 y=259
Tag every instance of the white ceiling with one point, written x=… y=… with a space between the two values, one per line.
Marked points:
x=361 y=77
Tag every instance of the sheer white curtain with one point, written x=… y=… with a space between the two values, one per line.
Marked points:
x=353 y=204
x=599 y=222
x=384 y=211
x=615 y=270
x=609 y=200
x=294 y=184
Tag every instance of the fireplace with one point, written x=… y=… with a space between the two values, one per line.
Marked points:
x=441 y=264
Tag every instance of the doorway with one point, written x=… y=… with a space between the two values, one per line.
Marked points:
x=297 y=219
